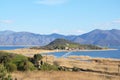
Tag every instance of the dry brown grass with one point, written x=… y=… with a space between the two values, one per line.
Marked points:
x=29 y=52
x=104 y=65
x=61 y=75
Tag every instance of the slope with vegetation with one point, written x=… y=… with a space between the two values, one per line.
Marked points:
x=14 y=62
x=63 y=44
x=10 y=62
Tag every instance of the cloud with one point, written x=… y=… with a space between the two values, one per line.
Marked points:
x=51 y=2
x=6 y=21
x=116 y=21
x=69 y=32
x=108 y=25
x=55 y=31
x=80 y=32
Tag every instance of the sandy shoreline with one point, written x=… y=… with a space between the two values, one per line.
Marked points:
x=86 y=50
x=30 y=52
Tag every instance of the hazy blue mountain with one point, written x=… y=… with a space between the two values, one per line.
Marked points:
x=97 y=37
x=102 y=37
x=6 y=32
x=55 y=35
x=24 y=38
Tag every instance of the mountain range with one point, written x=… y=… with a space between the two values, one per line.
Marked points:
x=96 y=37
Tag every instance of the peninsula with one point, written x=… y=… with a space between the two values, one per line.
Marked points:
x=63 y=44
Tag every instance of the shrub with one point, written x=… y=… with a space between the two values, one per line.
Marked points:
x=11 y=67
x=48 y=67
x=14 y=62
x=26 y=66
x=37 y=57
x=3 y=72
x=5 y=57
x=18 y=59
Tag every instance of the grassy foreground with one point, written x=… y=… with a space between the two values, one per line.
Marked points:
x=91 y=68
x=62 y=75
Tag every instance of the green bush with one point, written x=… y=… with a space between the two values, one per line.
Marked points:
x=37 y=57
x=48 y=67
x=3 y=72
x=5 y=57
x=14 y=62
x=18 y=58
x=26 y=66
x=9 y=77
x=11 y=67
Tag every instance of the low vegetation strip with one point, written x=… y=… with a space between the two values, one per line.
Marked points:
x=10 y=62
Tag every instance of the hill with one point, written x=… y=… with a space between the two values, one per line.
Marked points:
x=63 y=44
x=96 y=37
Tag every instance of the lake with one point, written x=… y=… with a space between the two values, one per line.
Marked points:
x=11 y=47
x=101 y=54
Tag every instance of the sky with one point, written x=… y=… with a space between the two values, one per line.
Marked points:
x=59 y=16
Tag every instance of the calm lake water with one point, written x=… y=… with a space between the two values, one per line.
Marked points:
x=11 y=47
x=102 y=54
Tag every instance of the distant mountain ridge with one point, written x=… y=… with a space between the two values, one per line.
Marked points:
x=102 y=37
x=96 y=37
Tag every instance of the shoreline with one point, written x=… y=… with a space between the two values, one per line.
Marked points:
x=30 y=52
x=56 y=50
x=87 y=50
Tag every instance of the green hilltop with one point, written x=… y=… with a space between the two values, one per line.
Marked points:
x=62 y=44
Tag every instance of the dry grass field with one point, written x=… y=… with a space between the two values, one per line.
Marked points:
x=29 y=52
x=95 y=64
x=62 y=75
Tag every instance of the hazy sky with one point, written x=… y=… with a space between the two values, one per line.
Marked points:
x=59 y=16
